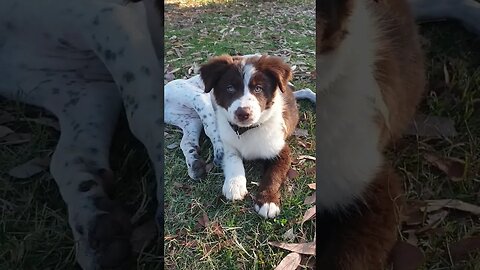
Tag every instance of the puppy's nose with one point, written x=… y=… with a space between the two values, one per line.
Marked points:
x=243 y=113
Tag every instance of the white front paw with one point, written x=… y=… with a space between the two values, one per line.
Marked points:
x=235 y=188
x=268 y=210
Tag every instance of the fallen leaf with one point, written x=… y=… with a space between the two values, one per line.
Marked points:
x=432 y=126
x=30 y=168
x=177 y=185
x=300 y=133
x=412 y=238
x=292 y=173
x=311 y=171
x=203 y=220
x=459 y=250
x=217 y=229
x=172 y=146
x=312 y=185
x=191 y=244
x=434 y=205
x=209 y=167
x=169 y=77
x=433 y=220
x=290 y=262
x=143 y=235
x=310 y=199
x=413 y=214
x=405 y=256
x=446 y=74
x=454 y=168
x=310 y=213
x=15 y=138
x=4 y=131
x=289 y=235
x=307 y=157
x=302 y=248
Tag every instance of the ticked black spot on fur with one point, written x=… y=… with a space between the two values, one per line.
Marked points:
x=128 y=77
x=93 y=150
x=79 y=229
x=9 y=26
x=86 y=185
x=72 y=102
x=108 y=9
x=121 y=51
x=96 y=21
x=99 y=47
x=109 y=55
x=64 y=42
x=145 y=70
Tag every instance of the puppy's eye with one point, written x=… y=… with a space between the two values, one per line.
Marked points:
x=258 y=89
x=230 y=89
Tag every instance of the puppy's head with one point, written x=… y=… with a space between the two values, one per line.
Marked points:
x=331 y=23
x=245 y=87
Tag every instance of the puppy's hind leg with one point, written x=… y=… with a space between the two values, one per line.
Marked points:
x=203 y=106
x=101 y=228
x=190 y=147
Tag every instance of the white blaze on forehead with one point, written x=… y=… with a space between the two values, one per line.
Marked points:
x=248 y=71
x=247 y=99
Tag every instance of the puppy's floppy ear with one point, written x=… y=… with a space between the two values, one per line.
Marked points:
x=213 y=70
x=277 y=69
x=332 y=16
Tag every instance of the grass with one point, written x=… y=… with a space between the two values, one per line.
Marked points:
x=236 y=237
x=34 y=232
x=447 y=44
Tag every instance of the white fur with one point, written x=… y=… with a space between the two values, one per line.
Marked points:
x=247 y=100
x=268 y=210
x=262 y=142
x=53 y=55
x=188 y=107
x=349 y=100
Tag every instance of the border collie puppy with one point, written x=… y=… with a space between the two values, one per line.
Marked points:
x=371 y=78
x=256 y=112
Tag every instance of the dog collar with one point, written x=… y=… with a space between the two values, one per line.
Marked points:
x=240 y=130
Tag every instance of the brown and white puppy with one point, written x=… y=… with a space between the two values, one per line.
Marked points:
x=371 y=78
x=256 y=112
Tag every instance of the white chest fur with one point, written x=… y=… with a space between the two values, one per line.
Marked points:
x=263 y=142
x=349 y=156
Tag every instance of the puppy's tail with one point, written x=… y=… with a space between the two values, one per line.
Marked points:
x=305 y=94
x=465 y=11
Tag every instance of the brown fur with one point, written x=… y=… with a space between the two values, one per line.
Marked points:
x=362 y=237
x=274 y=175
x=271 y=72
x=331 y=23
